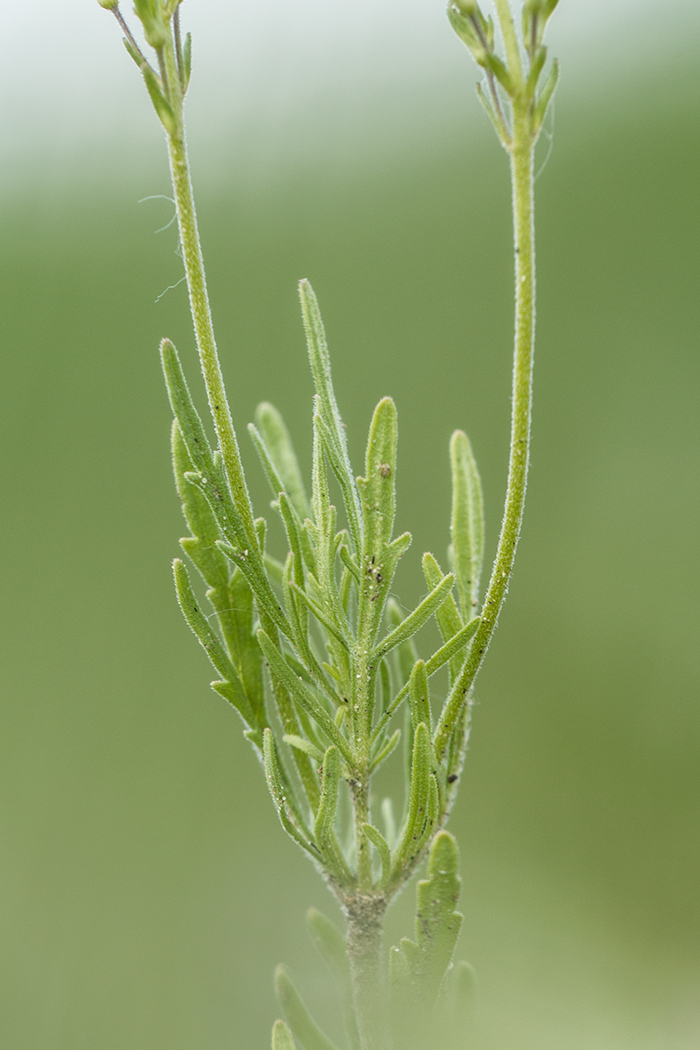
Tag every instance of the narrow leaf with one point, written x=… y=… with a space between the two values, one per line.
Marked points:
x=333 y=429
x=499 y=70
x=160 y=103
x=420 y=696
x=304 y=1028
x=250 y=565
x=433 y=811
x=387 y=809
x=321 y=616
x=388 y=748
x=449 y=651
x=418 y=800
x=280 y=798
x=303 y=696
x=212 y=481
x=467 y=525
x=324 y=832
x=382 y=848
x=378 y=487
x=200 y=547
x=548 y=89
x=282 y=1037
x=417 y=976
x=233 y=693
x=462 y=992
x=186 y=63
x=331 y=944
x=305 y=746
x=437 y=922
x=199 y=625
x=274 y=480
x=281 y=451
x=535 y=70
x=447 y=617
x=420 y=615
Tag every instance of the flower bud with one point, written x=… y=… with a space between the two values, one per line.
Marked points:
x=109 y=5
x=153 y=18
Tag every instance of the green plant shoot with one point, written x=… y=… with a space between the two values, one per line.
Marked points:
x=311 y=651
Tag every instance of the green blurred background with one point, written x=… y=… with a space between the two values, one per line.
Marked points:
x=146 y=890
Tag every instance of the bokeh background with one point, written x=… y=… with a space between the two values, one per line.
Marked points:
x=146 y=890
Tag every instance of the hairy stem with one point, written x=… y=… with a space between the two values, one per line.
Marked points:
x=364 y=915
x=199 y=300
x=522 y=176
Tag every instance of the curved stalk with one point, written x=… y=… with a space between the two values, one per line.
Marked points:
x=521 y=149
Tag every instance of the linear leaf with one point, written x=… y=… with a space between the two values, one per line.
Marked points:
x=389 y=746
x=447 y=617
x=387 y=809
x=413 y=623
x=333 y=429
x=203 y=459
x=282 y=1037
x=462 y=992
x=303 y=696
x=467 y=524
x=281 y=450
x=331 y=944
x=199 y=625
x=382 y=848
x=419 y=967
x=279 y=793
x=320 y=615
x=324 y=832
x=546 y=95
x=160 y=103
x=418 y=800
x=303 y=1027
x=433 y=811
x=419 y=695
x=250 y=565
x=292 y=719
x=451 y=648
x=274 y=480
x=200 y=547
x=437 y=922
x=378 y=487
x=304 y=745
x=446 y=652
x=407 y=652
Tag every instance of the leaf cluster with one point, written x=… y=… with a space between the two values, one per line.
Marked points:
x=313 y=651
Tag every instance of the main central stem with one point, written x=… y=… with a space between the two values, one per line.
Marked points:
x=364 y=915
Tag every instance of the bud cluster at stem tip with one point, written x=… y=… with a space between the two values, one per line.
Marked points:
x=520 y=86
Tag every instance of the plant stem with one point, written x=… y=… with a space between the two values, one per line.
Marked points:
x=199 y=300
x=364 y=915
x=521 y=152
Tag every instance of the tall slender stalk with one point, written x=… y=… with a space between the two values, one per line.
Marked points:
x=522 y=150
